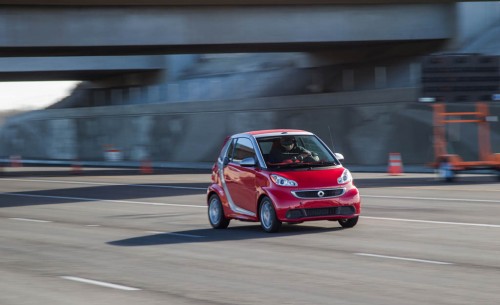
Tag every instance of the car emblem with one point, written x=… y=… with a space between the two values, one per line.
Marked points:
x=321 y=194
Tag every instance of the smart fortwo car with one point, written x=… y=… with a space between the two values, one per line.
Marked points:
x=276 y=176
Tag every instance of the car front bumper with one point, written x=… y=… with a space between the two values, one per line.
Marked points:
x=289 y=208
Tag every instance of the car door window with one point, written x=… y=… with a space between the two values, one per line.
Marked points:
x=243 y=149
x=228 y=153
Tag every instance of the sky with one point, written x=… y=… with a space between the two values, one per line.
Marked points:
x=33 y=95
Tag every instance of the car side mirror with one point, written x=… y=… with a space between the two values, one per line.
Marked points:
x=340 y=157
x=248 y=162
x=226 y=161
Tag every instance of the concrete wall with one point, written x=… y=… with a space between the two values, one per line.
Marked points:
x=365 y=126
x=241 y=76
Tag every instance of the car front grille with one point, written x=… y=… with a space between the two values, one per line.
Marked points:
x=313 y=194
x=318 y=212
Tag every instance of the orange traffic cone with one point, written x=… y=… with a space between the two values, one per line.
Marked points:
x=395 y=164
x=76 y=167
x=146 y=167
x=16 y=161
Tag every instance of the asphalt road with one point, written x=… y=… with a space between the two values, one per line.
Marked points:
x=117 y=237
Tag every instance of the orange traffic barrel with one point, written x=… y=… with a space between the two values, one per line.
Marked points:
x=146 y=167
x=395 y=164
x=76 y=167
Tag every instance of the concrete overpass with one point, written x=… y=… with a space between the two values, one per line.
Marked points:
x=335 y=31
x=84 y=40
x=118 y=30
x=204 y=2
x=86 y=68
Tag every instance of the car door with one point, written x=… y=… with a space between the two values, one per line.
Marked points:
x=240 y=180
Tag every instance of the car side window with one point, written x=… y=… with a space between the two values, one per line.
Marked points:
x=266 y=146
x=230 y=150
x=243 y=149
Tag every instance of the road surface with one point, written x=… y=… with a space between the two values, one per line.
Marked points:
x=118 y=237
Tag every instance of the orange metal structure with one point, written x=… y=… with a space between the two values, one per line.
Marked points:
x=452 y=162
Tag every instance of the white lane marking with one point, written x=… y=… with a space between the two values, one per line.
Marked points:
x=106 y=183
x=98 y=283
x=105 y=200
x=176 y=234
x=92 y=225
x=436 y=188
x=435 y=222
x=203 y=206
x=404 y=259
x=168 y=186
x=431 y=198
x=29 y=219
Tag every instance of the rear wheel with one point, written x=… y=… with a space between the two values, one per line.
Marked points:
x=348 y=223
x=216 y=213
x=267 y=214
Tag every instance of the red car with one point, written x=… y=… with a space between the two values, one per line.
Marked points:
x=276 y=176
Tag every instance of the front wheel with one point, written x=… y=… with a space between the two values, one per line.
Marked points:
x=268 y=219
x=348 y=223
x=216 y=213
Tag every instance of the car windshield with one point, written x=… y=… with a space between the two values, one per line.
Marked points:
x=295 y=151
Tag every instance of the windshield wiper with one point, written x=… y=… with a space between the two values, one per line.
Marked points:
x=288 y=165
x=322 y=163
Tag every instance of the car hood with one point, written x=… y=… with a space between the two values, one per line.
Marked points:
x=313 y=178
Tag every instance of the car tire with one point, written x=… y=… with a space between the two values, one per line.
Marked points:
x=349 y=222
x=216 y=215
x=267 y=215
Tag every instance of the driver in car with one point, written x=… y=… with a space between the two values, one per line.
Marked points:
x=289 y=151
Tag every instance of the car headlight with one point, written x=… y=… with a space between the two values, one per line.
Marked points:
x=345 y=177
x=283 y=181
